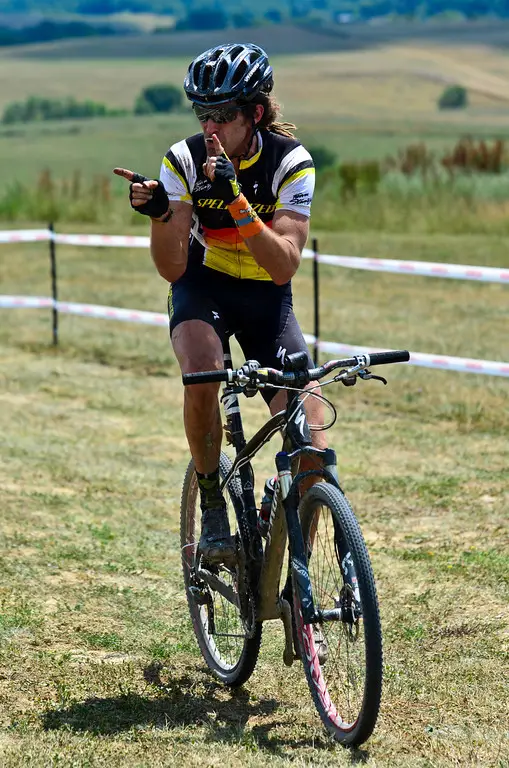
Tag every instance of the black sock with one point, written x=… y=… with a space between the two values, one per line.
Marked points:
x=209 y=486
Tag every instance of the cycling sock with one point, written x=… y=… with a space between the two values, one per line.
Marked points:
x=210 y=493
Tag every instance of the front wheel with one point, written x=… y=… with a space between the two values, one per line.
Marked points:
x=221 y=609
x=342 y=653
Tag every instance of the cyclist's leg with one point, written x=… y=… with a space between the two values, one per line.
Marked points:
x=197 y=330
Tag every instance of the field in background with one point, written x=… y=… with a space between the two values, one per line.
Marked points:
x=97 y=657
x=359 y=103
x=93 y=619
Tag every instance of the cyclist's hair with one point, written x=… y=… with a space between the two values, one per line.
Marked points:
x=271 y=112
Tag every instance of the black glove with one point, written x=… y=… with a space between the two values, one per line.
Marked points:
x=225 y=183
x=157 y=206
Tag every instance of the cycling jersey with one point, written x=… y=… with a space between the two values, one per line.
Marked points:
x=280 y=176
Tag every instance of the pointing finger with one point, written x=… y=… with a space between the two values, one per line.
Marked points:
x=209 y=146
x=130 y=175
x=218 y=147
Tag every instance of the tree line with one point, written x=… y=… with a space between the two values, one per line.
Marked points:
x=153 y=98
x=212 y=14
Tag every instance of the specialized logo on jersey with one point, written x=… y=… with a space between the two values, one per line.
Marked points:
x=220 y=205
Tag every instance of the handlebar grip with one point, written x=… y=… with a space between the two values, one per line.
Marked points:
x=204 y=377
x=381 y=358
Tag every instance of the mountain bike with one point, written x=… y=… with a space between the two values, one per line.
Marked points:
x=328 y=604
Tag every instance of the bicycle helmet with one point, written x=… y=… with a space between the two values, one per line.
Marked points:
x=235 y=71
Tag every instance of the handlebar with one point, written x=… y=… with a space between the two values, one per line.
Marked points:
x=251 y=374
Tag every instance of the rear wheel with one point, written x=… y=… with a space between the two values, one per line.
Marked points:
x=342 y=655
x=221 y=608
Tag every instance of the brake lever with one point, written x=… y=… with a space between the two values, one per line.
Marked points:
x=347 y=381
x=365 y=374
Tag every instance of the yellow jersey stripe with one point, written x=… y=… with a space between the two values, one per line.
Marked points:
x=298 y=175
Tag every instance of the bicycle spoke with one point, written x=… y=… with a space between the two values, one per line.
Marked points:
x=227 y=649
x=341 y=671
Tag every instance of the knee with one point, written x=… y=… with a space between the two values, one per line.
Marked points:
x=202 y=397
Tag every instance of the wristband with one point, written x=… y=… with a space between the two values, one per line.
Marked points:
x=247 y=220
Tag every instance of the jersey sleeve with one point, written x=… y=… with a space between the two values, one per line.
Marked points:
x=295 y=182
x=178 y=173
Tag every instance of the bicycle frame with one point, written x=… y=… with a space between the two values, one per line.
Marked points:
x=284 y=523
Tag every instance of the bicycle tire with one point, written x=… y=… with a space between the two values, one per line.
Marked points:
x=348 y=704
x=230 y=661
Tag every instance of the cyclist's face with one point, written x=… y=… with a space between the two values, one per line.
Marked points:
x=232 y=133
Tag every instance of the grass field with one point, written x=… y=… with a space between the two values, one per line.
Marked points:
x=99 y=665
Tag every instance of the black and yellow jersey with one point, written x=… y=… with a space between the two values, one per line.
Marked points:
x=280 y=176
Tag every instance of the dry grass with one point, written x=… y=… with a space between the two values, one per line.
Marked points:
x=98 y=665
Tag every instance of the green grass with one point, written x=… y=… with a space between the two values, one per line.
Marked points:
x=98 y=663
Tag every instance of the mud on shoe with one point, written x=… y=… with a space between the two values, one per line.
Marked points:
x=216 y=543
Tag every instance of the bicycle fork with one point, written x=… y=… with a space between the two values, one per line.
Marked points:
x=298 y=556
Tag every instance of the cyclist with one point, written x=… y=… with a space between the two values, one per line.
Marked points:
x=230 y=217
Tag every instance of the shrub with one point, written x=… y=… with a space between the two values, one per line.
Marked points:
x=479 y=157
x=454 y=97
x=158 y=98
x=361 y=176
x=38 y=108
x=322 y=157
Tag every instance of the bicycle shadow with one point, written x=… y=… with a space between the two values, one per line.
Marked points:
x=190 y=699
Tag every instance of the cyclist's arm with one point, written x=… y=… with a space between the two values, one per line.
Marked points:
x=278 y=250
x=169 y=242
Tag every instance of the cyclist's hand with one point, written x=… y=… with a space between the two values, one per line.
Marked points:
x=219 y=169
x=147 y=196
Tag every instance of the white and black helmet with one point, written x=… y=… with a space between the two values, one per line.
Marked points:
x=235 y=71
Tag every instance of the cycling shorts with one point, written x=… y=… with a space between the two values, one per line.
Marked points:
x=258 y=313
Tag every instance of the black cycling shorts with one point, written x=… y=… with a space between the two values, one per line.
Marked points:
x=258 y=313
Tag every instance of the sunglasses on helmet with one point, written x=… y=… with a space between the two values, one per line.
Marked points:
x=221 y=114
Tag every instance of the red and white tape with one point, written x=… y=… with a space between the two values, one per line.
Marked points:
x=112 y=241
x=424 y=268
x=27 y=302
x=25 y=235
x=113 y=313
x=443 y=362
x=489 y=367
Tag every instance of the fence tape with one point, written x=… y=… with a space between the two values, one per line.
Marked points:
x=24 y=235
x=443 y=362
x=489 y=367
x=424 y=268
x=112 y=241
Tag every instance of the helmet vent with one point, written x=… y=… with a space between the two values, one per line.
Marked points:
x=236 y=52
x=207 y=71
x=221 y=73
x=239 y=73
